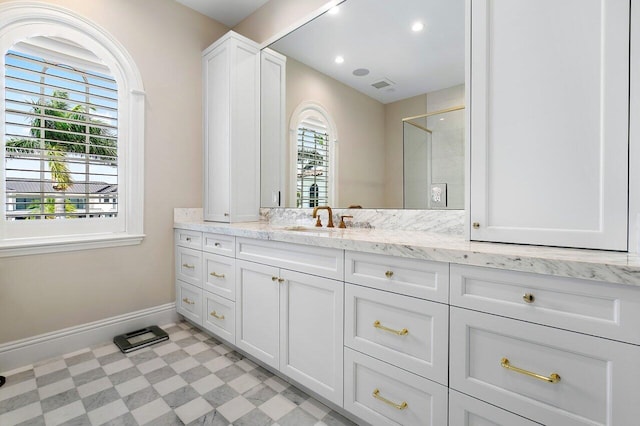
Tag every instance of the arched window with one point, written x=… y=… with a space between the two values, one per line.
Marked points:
x=314 y=151
x=72 y=134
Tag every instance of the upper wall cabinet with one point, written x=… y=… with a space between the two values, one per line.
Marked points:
x=231 y=106
x=549 y=122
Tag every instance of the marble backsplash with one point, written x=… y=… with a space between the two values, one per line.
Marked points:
x=439 y=221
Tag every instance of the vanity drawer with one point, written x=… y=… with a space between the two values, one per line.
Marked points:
x=376 y=322
x=375 y=391
x=321 y=261
x=220 y=275
x=467 y=411
x=189 y=301
x=189 y=265
x=219 y=244
x=599 y=380
x=591 y=307
x=189 y=239
x=219 y=316
x=411 y=277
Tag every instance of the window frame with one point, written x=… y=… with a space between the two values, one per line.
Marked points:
x=20 y=21
x=306 y=110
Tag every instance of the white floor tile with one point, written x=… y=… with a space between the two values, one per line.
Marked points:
x=101 y=351
x=169 y=385
x=276 y=383
x=50 y=367
x=277 y=407
x=149 y=366
x=246 y=365
x=117 y=366
x=222 y=349
x=22 y=414
x=56 y=388
x=134 y=385
x=184 y=364
x=315 y=408
x=9 y=390
x=94 y=387
x=83 y=367
x=166 y=349
x=206 y=384
x=62 y=414
x=107 y=412
x=193 y=410
x=235 y=408
x=150 y=411
x=217 y=364
x=244 y=383
x=179 y=335
x=196 y=348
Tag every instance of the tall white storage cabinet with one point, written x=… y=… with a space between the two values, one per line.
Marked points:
x=273 y=136
x=231 y=72
x=549 y=122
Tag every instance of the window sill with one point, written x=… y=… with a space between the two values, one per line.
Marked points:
x=29 y=246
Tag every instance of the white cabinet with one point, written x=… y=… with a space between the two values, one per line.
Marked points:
x=273 y=134
x=231 y=107
x=549 y=122
x=467 y=411
x=289 y=320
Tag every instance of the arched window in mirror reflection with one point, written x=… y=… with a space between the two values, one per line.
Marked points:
x=315 y=155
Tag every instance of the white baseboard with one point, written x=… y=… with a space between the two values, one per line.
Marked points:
x=44 y=346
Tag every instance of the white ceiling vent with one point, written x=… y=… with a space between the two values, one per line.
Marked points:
x=382 y=83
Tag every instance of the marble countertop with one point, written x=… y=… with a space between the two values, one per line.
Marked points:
x=615 y=267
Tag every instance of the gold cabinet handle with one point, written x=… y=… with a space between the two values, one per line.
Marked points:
x=402 y=332
x=528 y=297
x=213 y=274
x=186 y=265
x=215 y=315
x=280 y=280
x=188 y=302
x=476 y=225
x=401 y=406
x=552 y=378
x=388 y=274
x=274 y=279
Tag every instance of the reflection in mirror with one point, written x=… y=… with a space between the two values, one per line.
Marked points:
x=434 y=160
x=388 y=72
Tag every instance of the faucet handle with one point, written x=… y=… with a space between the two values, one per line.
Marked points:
x=342 y=224
x=318 y=223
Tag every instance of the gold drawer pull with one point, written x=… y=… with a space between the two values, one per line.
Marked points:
x=213 y=274
x=553 y=377
x=528 y=297
x=388 y=274
x=188 y=239
x=274 y=279
x=215 y=315
x=402 y=332
x=401 y=406
x=186 y=265
x=280 y=280
x=188 y=302
x=217 y=245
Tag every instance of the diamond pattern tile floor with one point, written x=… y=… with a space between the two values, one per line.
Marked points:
x=191 y=379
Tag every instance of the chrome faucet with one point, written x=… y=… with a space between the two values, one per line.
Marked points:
x=315 y=214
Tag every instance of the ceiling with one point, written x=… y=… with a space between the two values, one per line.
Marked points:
x=228 y=12
x=377 y=35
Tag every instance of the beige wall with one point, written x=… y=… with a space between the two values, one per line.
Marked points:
x=359 y=121
x=42 y=293
x=276 y=16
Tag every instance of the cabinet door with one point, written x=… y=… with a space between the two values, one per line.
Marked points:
x=549 y=122
x=257 y=311
x=311 y=332
x=467 y=411
x=216 y=92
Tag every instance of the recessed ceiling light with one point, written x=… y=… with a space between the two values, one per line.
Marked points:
x=360 y=72
x=339 y=59
x=417 y=26
x=334 y=10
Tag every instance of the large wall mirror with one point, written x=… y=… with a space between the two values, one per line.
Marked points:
x=373 y=108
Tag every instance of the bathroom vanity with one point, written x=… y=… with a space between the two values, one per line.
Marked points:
x=418 y=328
